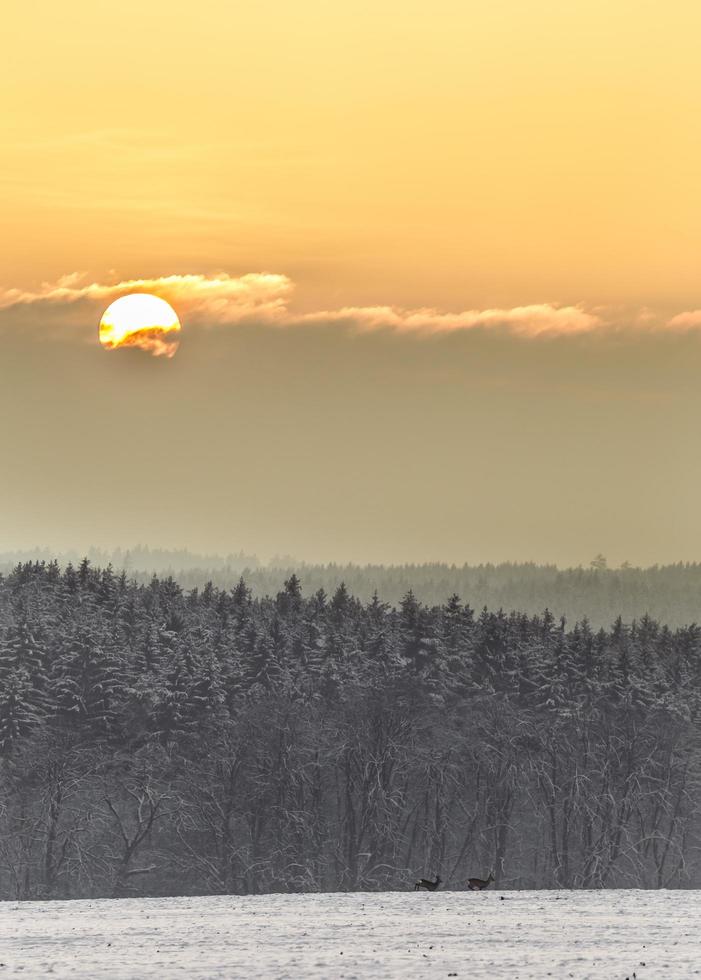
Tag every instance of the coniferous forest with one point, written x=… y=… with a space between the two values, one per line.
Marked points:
x=598 y=592
x=157 y=740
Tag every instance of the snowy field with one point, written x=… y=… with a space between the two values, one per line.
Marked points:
x=526 y=935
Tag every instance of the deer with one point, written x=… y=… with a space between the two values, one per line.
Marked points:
x=479 y=884
x=430 y=885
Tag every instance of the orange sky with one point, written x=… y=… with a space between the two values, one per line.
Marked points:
x=453 y=154
x=468 y=160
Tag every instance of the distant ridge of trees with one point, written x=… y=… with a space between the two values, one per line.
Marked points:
x=670 y=594
x=156 y=740
x=140 y=559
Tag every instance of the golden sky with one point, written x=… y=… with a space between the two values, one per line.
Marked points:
x=472 y=209
x=445 y=153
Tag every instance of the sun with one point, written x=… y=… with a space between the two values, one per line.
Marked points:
x=141 y=320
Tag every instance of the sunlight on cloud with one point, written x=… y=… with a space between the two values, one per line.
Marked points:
x=212 y=299
x=691 y=320
x=263 y=298
x=525 y=321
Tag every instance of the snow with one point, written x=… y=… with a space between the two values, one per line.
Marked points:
x=525 y=935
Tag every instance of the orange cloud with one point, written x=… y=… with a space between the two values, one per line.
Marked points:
x=263 y=298
x=542 y=319
x=198 y=298
x=691 y=320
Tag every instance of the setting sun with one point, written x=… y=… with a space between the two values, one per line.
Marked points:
x=141 y=320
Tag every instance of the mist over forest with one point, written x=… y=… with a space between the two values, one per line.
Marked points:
x=159 y=740
x=670 y=594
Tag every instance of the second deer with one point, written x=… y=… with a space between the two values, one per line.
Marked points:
x=479 y=884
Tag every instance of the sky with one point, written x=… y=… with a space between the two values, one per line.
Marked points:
x=436 y=266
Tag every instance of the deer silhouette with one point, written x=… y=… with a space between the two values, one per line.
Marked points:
x=425 y=883
x=479 y=884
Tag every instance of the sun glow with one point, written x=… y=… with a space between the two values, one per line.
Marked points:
x=141 y=320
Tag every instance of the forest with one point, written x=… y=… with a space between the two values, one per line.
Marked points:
x=163 y=740
x=597 y=592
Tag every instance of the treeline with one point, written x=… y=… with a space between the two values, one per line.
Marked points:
x=671 y=594
x=155 y=740
x=138 y=560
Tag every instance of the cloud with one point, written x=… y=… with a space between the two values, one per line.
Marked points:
x=691 y=320
x=542 y=319
x=197 y=298
x=263 y=298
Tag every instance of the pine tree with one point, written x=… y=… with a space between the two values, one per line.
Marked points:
x=23 y=679
x=19 y=715
x=289 y=601
x=85 y=680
